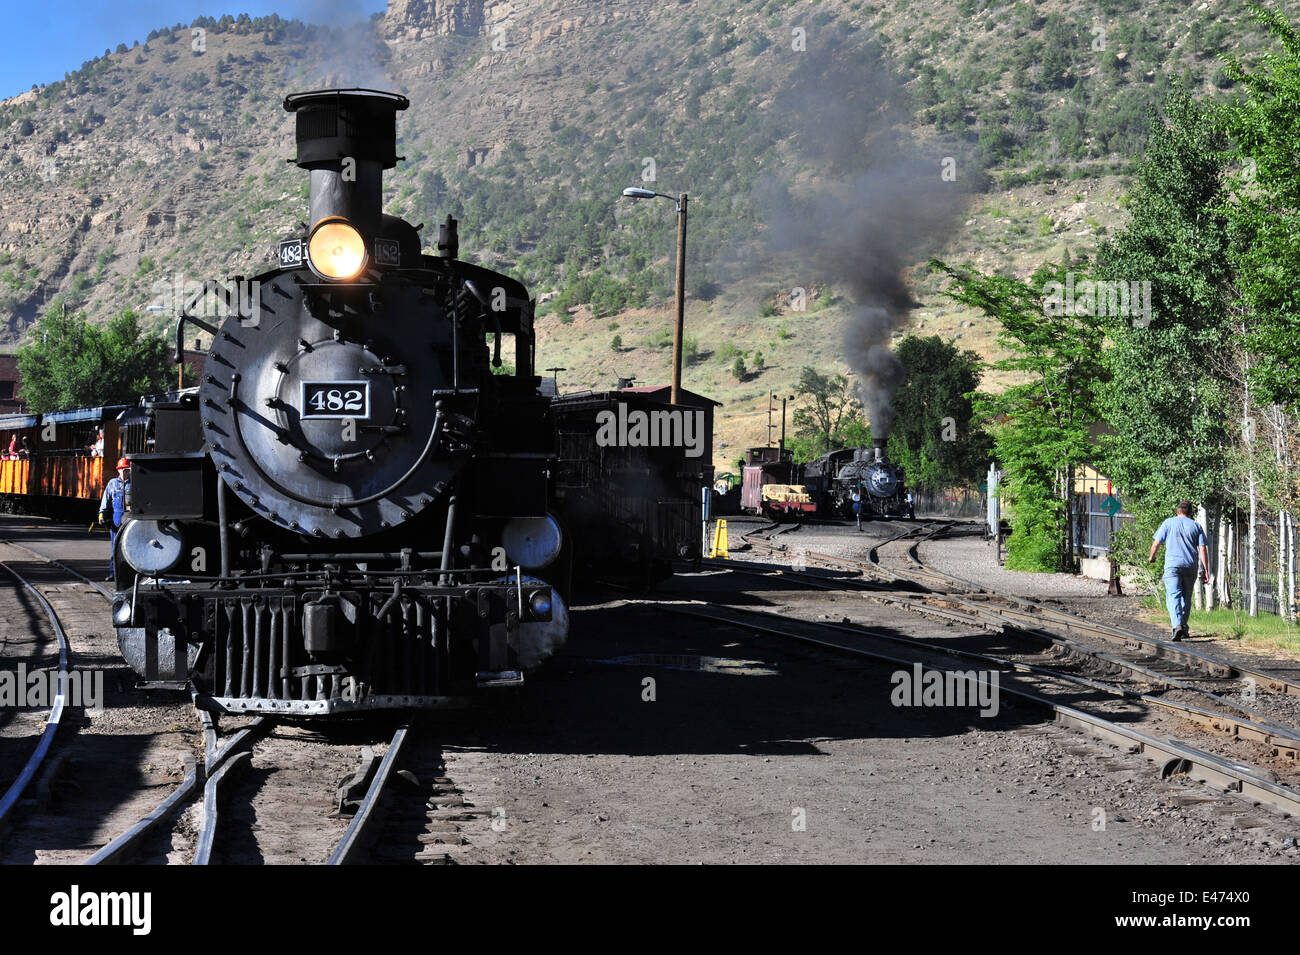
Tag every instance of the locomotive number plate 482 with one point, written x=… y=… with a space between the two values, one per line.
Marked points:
x=335 y=399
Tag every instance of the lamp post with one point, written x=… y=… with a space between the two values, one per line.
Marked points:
x=783 y=401
x=638 y=192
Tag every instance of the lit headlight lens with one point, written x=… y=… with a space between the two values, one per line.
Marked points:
x=540 y=602
x=336 y=250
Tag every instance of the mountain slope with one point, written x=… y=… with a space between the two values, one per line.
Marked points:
x=163 y=164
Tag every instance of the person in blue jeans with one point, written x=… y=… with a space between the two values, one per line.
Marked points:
x=113 y=505
x=1184 y=540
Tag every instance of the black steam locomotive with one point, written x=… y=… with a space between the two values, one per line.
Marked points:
x=352 y=511
x=881 y=484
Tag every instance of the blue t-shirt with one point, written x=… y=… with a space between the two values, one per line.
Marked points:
x=1181 y=536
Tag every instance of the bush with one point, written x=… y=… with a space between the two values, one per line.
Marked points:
x=616 y=343
x=738 y=369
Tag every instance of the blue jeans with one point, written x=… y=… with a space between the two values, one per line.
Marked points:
x=112 y=547
x=1178 y=594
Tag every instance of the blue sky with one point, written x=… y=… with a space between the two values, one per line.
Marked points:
x=43 y=39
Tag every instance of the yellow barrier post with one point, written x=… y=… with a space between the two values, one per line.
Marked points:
x=719 y=548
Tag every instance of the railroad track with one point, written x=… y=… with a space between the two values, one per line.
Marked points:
x=390 y=823
x=1064 y=696
x=912 y=587
x=962 y=601
x=37 y=760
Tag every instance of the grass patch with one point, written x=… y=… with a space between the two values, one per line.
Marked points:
x=1266 y=630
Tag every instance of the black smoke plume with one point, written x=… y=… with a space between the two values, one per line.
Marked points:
x=879 y=205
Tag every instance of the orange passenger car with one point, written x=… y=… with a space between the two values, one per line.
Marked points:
x=54 y=463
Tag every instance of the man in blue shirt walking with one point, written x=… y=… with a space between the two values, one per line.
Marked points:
x=1184 y=540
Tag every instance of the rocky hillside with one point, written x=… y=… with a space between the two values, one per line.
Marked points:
x=164 y=162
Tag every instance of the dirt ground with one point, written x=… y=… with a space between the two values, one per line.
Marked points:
x=658 y=738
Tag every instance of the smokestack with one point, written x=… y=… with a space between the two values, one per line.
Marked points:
x=346 y=139
x=879 y=444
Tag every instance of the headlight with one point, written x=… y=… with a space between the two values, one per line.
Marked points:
x=540 y=602
x=532 y=541
x=336 y=249
x=150 y=547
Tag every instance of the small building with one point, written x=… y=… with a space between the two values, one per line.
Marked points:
x=11 y=382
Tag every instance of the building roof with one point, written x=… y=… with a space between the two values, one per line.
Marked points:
x=655 y=389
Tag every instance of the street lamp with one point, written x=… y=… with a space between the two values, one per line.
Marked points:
x=783 y=401
x=639 y=192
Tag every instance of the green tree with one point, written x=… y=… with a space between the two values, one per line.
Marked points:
x=1166 y=399
x=1265 y=212
x=1042 y=427
x=70 y=363
x=933 y=436
x=831 y=405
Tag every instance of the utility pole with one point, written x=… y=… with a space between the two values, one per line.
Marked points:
x=681 y=299
x=783 y=401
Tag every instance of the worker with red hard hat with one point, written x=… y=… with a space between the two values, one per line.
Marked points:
x=113 y=505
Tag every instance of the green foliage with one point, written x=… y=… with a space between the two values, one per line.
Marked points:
x=1168 y=410
x=70 y=363
x=939 y=384
x=1265 y=213
x=1041 y=428
x=604 y=294
x=738 y=369
x=690 y=351
x=831 y=406
x=616 y=343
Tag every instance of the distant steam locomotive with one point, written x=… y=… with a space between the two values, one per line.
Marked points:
x=881 y=484
x=777 y=488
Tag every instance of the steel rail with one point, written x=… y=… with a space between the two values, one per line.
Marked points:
x=62 y=566
x=1026 y=608
x=117 y=850
x=1023 y=608
x=976 y=617
x=1284 y=740
x=350 y=847
x=1178 y=757
x=208 y=828
x=35 y=761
